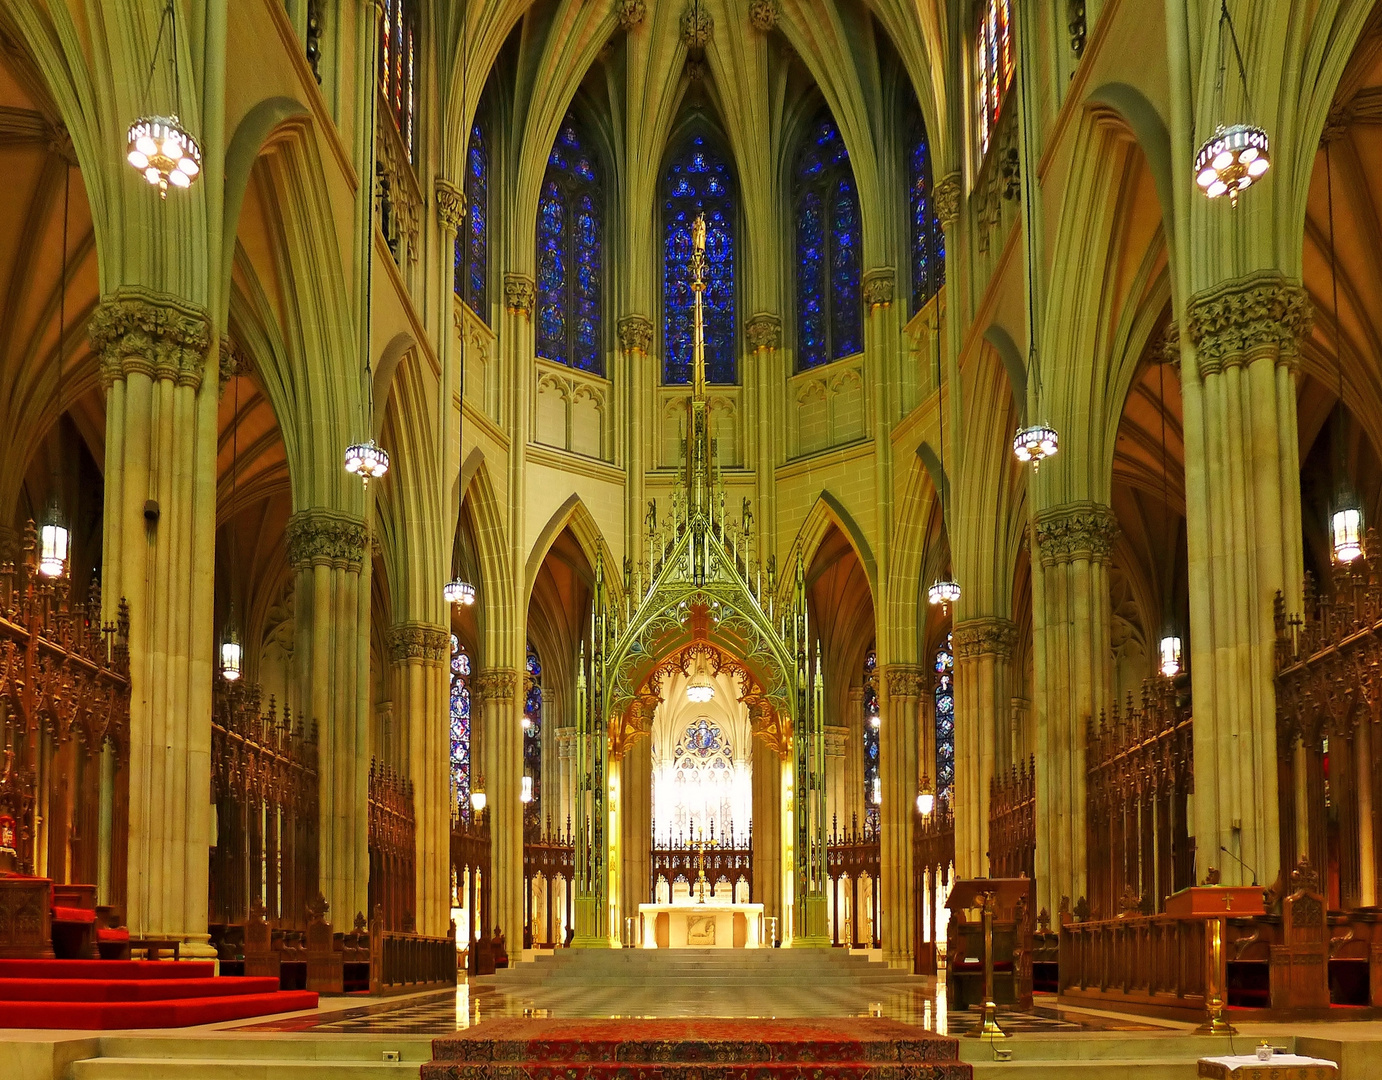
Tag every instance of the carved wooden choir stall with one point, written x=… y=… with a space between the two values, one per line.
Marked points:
x=852 y=863
x=549 y=864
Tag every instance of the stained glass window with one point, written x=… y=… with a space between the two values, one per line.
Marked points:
x=993 y=67
x=570 y=255
x=828 y=243
x=532 y=729
x=472 y=240
x=945 y=720
x=871 y=726
x=928 y=241
x=398 y=64
x=698 y=181
x=460 y=727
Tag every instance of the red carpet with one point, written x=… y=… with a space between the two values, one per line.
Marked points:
x=844 y=1049
x=104 y=994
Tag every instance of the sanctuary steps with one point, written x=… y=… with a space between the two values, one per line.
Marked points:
x=224 y=1055
x=696 y=967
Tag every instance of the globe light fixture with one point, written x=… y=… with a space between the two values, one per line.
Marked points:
x=1346 y=530
x=1170 y=656
x=366 y=460
x=164 y=152
x=232 y=656
x=1035 y=444
x=1232 y=160
x=53 y=543
x=458 y=591
x=943 y=593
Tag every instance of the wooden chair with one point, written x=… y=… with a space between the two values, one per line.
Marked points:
x=1300 y=964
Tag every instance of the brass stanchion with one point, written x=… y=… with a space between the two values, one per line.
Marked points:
x=989 y=1028
x=1214 y=990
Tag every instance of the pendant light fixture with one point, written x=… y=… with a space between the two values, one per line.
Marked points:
x=701 y=687
x=367 y=459
x=1169 y=648
x=1346 y=522
x=1236 y=156
x=232 y=654
x=926 y=798
x=159 y=147
x=1033 y=443
x=478 y=799
x=943 y=591
x=458 y=590
x=54 y=539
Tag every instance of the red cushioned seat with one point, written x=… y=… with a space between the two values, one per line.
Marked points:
x=112 y=933
x=74 y=914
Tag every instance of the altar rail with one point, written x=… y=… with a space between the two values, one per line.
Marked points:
x=852 y=863
x=64 y=681
x=264 y=788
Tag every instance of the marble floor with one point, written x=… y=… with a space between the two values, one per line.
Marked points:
x=913 y=1000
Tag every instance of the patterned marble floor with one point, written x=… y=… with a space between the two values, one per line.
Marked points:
x=442 y=1013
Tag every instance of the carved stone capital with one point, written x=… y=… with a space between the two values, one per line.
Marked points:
x=450 y=204
x=1170 y=345
x=495 y=684
x=155 y=334
x=519 y=293
x=635 y=333
x=945 y=196
x=878 y=287
x=1237 y=322
x=984 y=637
x=903 y=680
x=419 y=641
x=696 y=26
x=631 y=14
x=764 y=331
x=234 y=361
x=763 y=14
x=1081 y=530
x=320 y=537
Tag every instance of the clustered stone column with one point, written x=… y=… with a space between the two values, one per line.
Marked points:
x=837 y=808
x=158 y=551
x=421 y=654
x=329 y=552
x=1239 y=357
x=1070 y=634
x=502 y=753
x=897 y=773
x=767 y=831
x=983 y=660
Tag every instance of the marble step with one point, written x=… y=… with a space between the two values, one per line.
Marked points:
x=257 y=1068
x=1105 y=1069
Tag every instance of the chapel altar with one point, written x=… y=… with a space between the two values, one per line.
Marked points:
x=690 y=925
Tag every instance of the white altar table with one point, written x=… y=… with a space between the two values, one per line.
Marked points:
x=689 y=925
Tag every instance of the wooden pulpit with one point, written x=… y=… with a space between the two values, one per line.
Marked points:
x=1215 y=901
x=966 y=944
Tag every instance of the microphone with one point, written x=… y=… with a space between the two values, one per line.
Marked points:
x=1241 y=863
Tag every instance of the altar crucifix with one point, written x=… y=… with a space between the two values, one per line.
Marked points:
x=700 y=845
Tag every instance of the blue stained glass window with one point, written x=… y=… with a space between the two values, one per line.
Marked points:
x=532 y=729
x=945 y=720
x=829 y=250
x=928 y=241
x=472 y=240
x=698 y=181
x=871 y=725
x=570 y=256
x=460 y=726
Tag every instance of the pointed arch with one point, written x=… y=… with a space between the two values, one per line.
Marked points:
x=826 y=511
x=573 y=514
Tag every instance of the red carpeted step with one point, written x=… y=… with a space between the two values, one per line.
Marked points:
x=106 y=969
x=676 y=1069
x=107 y=1015
x=129 y=989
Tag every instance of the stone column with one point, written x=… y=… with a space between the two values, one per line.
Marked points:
x=1242 y=479
x=636 y=796
x=836 y=770
x=502 y=754
x=635 y=343
x=763 y=333
x=926 y=732
x=329 y=552
x=159 y=553
x=983 y=656
x=1070 y=627
x=767 y=831
x=421 y=655
x=897 y=770
x=852 y=806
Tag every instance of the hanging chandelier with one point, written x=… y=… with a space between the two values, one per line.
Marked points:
x=1236 y=156
x=165 y=152
x=1035 y=444
x=232 y=654
x=1346 y=530
x=159 y=147
x=366 y=460
x=943 y=593
x=1170 y=656
x=459 y=591
x=926 y=798
x=1232 y=160
x=53 y=540
x=700 y=688
x=477 y=795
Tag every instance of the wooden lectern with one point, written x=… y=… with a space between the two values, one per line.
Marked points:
x=986 y=956
x=1214 y=904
